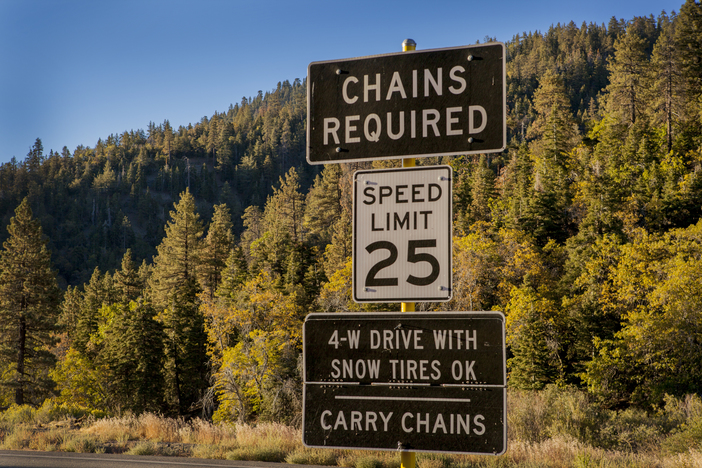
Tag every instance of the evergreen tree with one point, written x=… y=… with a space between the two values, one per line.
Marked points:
x=253 y=228
x=518 y=186
x=98 y=291
x=553 y=132
x=284 y=212
x=213 y=136
x=185 y=347
x=235 y=273
x=554 y=136
x=461 y=194
x=70 y=310
x=179 y=253
x=29 y=308
x=688 y=37
x=667 y=86
x=595 y=317
x=323 y=207
x=629 y=75
x=175 y=287
x=535 y=337
x=482 y=191
x=530 y=367
x=129 y=286
x=338 y=251
x=133 y=353
x=35 y=157
x=216 y=249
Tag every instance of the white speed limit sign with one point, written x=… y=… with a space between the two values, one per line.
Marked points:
x=402 y=227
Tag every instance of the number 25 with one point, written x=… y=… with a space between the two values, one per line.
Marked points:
x=412 y=257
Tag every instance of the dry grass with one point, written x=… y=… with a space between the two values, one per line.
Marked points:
x=146 y=447
x=552 y=453
x=549 y=429
x=313 y=456
x=19 y=439
x=270 y=442
x=265 y=441
x=692 y=459
x=269 y=434
x=156 y=428
x=558 y=451
x=50 y=440
x=214 y=451
x=154 y=435
x=370 y=459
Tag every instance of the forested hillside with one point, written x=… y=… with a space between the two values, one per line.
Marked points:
x=172 y=268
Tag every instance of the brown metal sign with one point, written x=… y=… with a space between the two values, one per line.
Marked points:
x=423 y=419
x=410 y=104
x=448 y=348
x=430 y=382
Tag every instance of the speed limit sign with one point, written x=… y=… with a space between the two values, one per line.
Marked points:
x=402 y=227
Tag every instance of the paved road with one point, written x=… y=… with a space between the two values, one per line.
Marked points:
x=27 y=459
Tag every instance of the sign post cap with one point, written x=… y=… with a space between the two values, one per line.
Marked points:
x=408 y=44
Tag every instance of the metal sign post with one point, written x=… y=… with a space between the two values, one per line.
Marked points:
x=408 y=459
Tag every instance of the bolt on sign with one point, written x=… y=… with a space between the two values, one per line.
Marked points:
x=433 y=102
x=402 y=227
x=430 y=382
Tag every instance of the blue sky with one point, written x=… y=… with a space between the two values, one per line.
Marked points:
x=72 y=71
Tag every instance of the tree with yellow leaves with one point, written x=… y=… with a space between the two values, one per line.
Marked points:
x=658 y=286
x=256 y=374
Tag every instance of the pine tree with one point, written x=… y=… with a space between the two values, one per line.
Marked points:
x=629 y=75
x=285 y=209
x=133 y=352
x=224 y=146
x=179 y=253
x=339 y=250
x=280 y=229
x=70 y=310
x=29 y=308
x=553 y=131
x=234 y=275
x=535 y=334
x=518 y=186
x=185 y=346
x=554 y=136
x=216 y=249
x=98 y=291
x=212 y=137
x=175 y=287
x=667 y=80
x=35 y=157
x=530 y=367
x=482 y=191
x=324 y=204
x=688 y=37
x=129 y=286
x=253 y=228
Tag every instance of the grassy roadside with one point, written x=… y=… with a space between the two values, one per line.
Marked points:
x=550 y=429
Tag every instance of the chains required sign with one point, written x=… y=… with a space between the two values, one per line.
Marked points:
x=402 y=227
x=419 y=103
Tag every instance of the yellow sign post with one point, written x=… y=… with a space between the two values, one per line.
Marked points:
x=408 y=459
